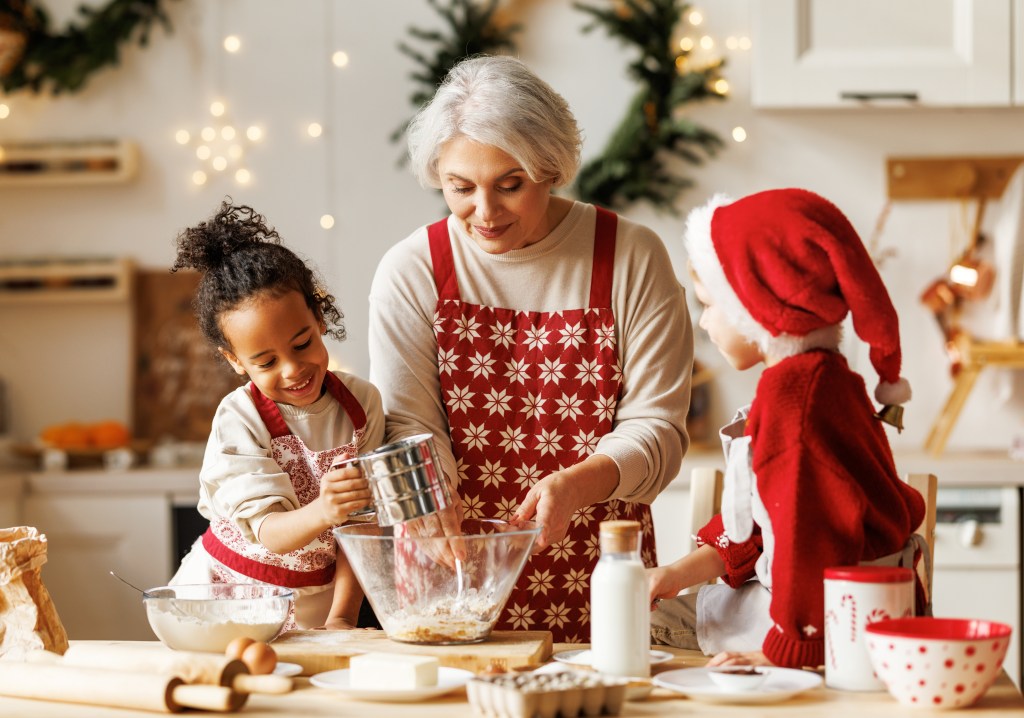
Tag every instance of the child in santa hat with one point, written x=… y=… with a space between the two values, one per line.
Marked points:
x=810 y=480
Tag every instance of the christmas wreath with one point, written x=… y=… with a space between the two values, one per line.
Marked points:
x=32 y=56
x=635 y=164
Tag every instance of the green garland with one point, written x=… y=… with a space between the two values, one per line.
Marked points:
x=37 y=57
x=633 y=165
x=472 y=30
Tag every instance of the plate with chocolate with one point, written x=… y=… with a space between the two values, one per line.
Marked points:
x=738 y=684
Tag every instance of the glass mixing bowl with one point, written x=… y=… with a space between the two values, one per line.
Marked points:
x=438 y=589
x=207 y=617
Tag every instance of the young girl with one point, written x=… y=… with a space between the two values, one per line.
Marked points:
x=267 y=483
x=810 y=480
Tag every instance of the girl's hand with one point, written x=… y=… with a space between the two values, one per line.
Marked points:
x=551 y=502
x=733 y=658
x=663 y=582
x=342 y=491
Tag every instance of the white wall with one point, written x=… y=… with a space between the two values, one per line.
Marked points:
x=74 y=362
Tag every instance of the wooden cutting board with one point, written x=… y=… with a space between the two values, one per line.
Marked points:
x=318 y=651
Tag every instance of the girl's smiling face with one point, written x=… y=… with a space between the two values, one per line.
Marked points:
x=277 y=342
x=499 y=205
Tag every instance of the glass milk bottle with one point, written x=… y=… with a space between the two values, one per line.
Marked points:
x=620 y=614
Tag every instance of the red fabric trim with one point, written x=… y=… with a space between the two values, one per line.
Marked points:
x=604 y=259
x=347 y=400
x=269 y=412
x=441 y=258
x=276 y=575
x=785 y=652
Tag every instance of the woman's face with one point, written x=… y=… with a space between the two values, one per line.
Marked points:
x=740 y=351
x=500 y=206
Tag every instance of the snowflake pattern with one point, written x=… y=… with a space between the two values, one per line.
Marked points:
x=496 y=401
x=572 y=335
x=492 y=473
x=569 y=407
x=462 y=398
x=527 y=476
x=446 y=361
x=590 y=372
x=577 y=580
x=504 y=334
x=513 y=439
x=528 y=394
x=480 y=365
x=585 y=443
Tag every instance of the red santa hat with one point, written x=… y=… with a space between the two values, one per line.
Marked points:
x=786 y=266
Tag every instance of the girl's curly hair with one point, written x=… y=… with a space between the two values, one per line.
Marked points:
x=240 y=257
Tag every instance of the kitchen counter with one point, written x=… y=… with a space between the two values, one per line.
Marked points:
x=308 y=700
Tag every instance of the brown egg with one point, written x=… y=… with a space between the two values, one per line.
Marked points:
x=238 y=646
x=260 y=658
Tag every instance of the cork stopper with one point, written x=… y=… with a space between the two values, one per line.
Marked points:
x=619 y=536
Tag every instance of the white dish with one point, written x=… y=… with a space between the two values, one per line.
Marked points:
x=448 y=679
x=287 y=669
x=582 y=657
x=781 y=683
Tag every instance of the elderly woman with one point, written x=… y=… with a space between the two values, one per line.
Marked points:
x=545 y=343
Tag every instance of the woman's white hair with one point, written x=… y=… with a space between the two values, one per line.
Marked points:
x=497 y=101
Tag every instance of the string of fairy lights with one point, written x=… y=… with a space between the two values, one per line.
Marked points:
x=220 y=144
x=706 y=44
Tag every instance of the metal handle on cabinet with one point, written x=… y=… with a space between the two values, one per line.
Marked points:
x=874 y=96
x=970 y=533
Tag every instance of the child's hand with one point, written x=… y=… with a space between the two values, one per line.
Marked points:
x=342 y=491
x=663 y=583
x=733 y=658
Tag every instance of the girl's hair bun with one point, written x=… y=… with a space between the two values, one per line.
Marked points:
x=206 y=245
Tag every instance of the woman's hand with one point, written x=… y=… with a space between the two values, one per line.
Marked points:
x=553 y=500
x=342 y=491
x=733 y=658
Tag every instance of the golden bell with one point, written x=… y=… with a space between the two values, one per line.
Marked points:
x=892 y=414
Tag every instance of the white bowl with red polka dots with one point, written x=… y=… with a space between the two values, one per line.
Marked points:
x=937 y=663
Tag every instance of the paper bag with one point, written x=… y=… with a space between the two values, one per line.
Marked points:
x=28 y=618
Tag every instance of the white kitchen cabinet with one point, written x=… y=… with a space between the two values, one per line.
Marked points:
x=91 y=535
x=11 y=487
x=833 y=53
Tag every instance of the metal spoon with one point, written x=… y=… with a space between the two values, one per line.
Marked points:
x=127 y=584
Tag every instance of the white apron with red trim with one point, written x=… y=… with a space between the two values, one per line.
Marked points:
x=527 y=394
x=224 y=555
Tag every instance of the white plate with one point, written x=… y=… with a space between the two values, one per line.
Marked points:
x=781 y=683
x=582 y=657
x=448 y=679
x=287 y=669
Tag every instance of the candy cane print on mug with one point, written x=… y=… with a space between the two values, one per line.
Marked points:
x=856 y=596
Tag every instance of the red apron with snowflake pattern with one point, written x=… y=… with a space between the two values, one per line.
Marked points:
x=314 y=564
x=527 y=394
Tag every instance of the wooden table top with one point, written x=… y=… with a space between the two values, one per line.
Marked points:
x=308 y=700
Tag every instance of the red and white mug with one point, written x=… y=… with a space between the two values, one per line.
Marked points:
x=856 y=596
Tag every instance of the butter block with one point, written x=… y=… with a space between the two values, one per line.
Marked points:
x=386 y=671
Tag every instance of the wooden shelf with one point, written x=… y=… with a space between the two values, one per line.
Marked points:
x=54 y=280
x=67 y=162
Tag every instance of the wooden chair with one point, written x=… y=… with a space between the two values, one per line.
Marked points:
x=706 y=485
x=927 y=485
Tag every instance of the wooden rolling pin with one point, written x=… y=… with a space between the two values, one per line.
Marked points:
x=115 y=689
x=211 y=668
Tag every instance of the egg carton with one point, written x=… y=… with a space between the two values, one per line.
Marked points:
x=545 y=695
